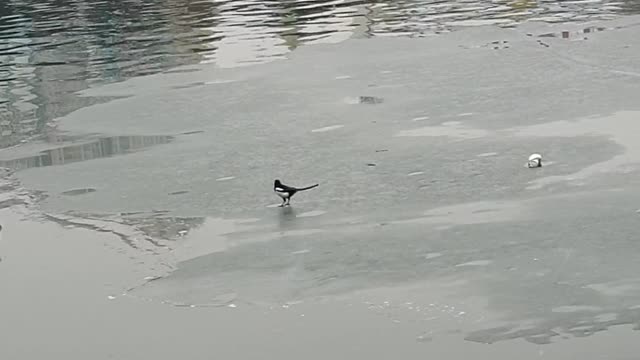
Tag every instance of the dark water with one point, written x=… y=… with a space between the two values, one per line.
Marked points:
x=50 y=49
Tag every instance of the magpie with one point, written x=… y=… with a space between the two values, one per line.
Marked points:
x=287 y=192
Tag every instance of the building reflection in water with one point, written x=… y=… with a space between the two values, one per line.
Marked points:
x=50 y=50
x=87 y=150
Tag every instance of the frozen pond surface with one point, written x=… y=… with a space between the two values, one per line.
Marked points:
x=435 y=220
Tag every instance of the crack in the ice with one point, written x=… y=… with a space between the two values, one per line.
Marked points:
x=64 y=222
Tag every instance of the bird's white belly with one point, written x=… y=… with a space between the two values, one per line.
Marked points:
x=283 y=195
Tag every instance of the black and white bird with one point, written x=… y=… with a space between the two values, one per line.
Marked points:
x=287 y=192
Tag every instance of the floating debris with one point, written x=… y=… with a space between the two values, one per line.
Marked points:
x=574 y=35
x=543 y=43
x=535 y=160
x=192 y=132
x=432 y=255
x=300 y=252
x=475 y=263
x=371 y=100
x=327 y=128
x=225 y=178
x=76 y=192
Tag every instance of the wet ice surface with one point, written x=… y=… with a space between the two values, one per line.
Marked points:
x=48 y=55
x=549 y=251
x=561 y=271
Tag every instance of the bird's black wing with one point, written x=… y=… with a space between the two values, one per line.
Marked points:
x=286 y=188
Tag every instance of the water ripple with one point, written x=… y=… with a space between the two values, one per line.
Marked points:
x=51 y=49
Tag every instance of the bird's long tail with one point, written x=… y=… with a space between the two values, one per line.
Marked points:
x=308 y=187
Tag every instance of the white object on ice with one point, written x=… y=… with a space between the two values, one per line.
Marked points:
x=535 y=160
